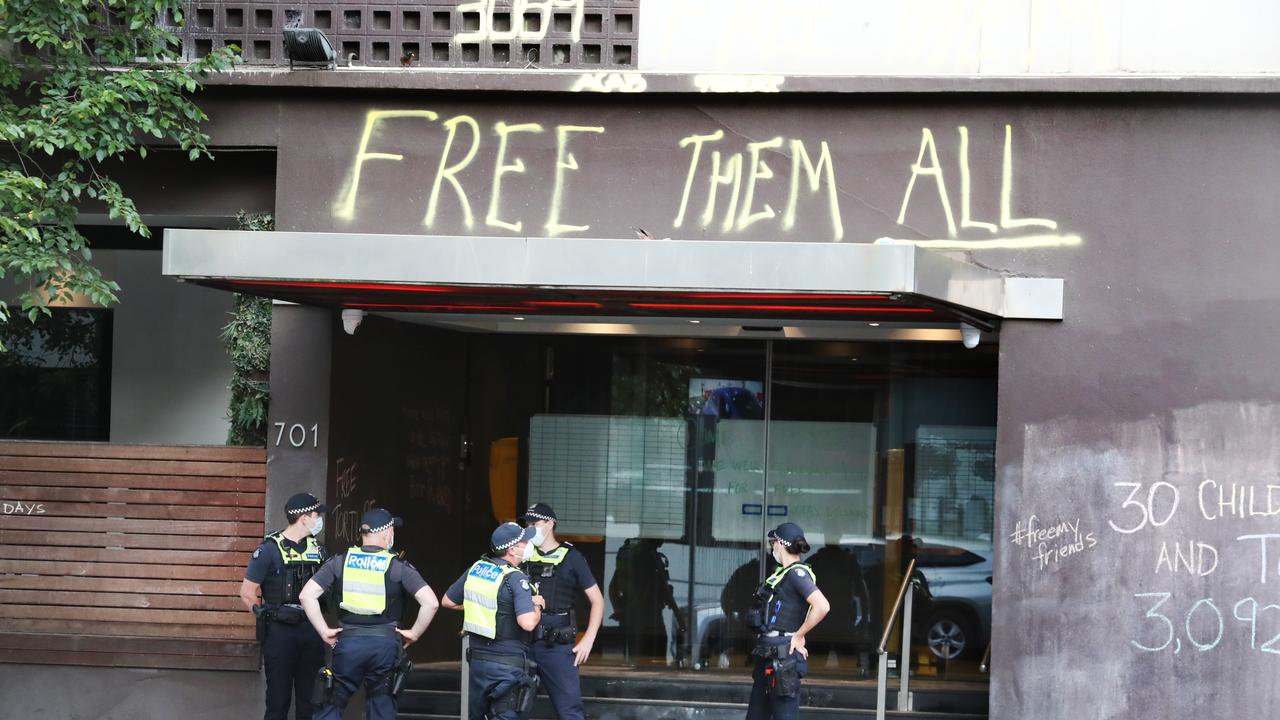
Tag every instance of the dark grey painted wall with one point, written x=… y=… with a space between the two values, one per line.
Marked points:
x=1161 y=373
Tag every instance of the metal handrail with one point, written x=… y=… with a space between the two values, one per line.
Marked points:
x=986 y=660
x=904 y=672
x=897 y=604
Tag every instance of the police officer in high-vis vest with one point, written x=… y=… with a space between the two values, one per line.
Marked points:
x=368 y=649
x=292 y=652
x=559 y=573
x=498 y=612
x=787 y=606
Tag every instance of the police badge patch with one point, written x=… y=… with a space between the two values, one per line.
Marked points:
x=256 y=553
x=799 y=572
x=524 y=584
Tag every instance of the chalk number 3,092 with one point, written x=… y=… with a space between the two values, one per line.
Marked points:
x=298 y=434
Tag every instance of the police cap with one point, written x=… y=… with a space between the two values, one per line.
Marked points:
x=787 y=533
x=538 y=511
x=377 y=520
x=509 y=534
x=303 y=503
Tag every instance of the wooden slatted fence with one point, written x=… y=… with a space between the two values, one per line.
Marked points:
x=128 y=555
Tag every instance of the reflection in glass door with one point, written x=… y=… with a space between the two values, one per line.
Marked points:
x=653 y=453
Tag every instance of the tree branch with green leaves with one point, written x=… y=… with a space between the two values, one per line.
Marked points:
x=82 y=83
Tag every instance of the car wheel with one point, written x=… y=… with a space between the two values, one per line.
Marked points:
x=949 y=635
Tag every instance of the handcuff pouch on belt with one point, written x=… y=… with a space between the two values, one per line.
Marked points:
x=563 y=635
x=289 y=615
x=771 y=652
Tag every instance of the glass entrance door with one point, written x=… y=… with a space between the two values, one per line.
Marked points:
x=653 y=453
x=883 y=452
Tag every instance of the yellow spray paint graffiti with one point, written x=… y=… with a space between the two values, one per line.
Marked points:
x=934 y=170
x=453 y=163
x=500 y=168
x=565 y=161
x=450 y=172
x=728 y=171
x=346 y=207
x=727 y=190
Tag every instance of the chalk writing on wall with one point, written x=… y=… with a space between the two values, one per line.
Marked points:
x=1204 y=622
x=1051 y=542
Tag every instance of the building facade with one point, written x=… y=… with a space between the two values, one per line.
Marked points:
x=686 y=270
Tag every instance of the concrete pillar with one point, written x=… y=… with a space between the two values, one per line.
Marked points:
x=298 y=429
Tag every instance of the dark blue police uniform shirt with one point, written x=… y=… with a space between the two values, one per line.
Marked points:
x=513 y=597
x=266 y=560
x=796 y=588
x=577 y=572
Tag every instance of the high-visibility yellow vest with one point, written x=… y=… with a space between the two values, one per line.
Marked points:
x=290 y=556
x=364 y=587
x=480 y=597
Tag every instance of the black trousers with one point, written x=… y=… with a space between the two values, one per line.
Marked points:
x=291 y=657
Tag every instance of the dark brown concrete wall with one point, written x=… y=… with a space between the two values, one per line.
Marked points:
x=1160 y=376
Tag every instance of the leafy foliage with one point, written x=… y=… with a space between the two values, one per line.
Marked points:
x=83 y=82
x=248 y=341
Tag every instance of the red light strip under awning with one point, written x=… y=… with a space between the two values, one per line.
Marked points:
x=777 y=308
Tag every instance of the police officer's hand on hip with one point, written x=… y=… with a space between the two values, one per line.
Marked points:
x=292 y=652
x=787 y=606
x=499 y=611
x=369 y=647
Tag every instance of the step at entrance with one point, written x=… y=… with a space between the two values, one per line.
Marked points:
x=433 y=694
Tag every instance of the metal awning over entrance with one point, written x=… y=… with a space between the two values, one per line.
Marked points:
x=484 y=282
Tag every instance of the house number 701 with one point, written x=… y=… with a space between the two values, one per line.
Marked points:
x=298 y=434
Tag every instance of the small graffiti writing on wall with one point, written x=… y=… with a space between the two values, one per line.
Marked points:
x=346 y=512
x=1050 y=543
x=729 y=184
x=19 y=508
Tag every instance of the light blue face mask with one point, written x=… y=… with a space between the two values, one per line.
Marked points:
x=538 y=537
x=318 y=527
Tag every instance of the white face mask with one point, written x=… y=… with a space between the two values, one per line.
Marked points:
x=319 y=526
x=527 y=553
x=539 y=537
x=391 y=541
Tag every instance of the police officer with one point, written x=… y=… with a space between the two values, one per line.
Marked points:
x=499 y=611
x=558 y=572
x=369 y=647
x=292 y=652
x=788 y=605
